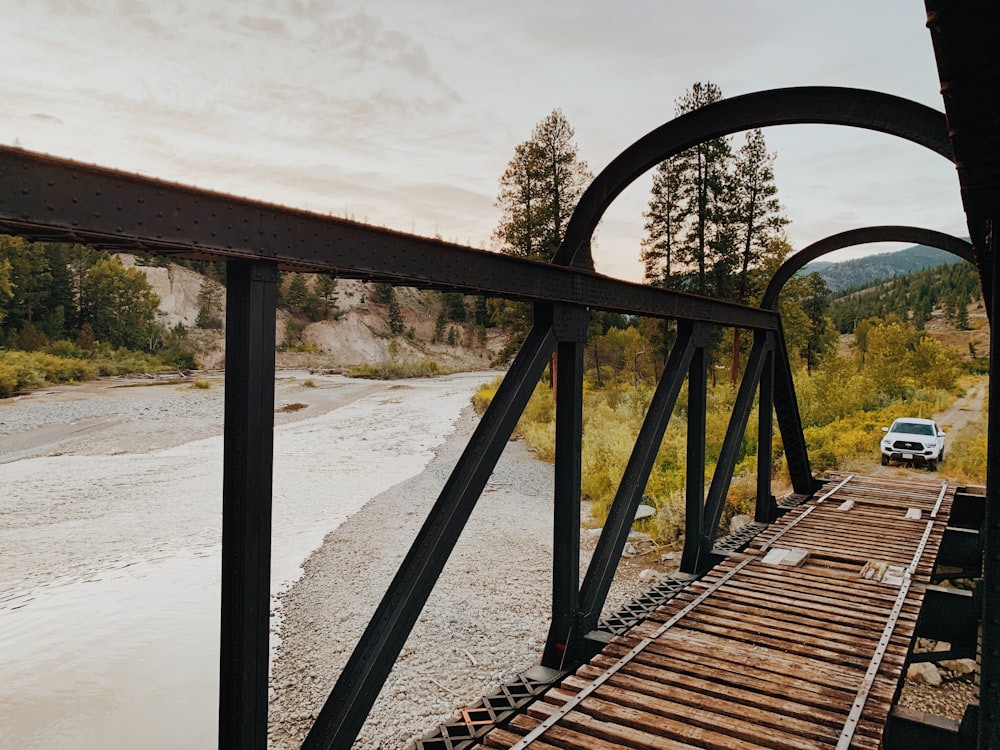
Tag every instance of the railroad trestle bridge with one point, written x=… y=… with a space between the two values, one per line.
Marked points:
x=829 y=648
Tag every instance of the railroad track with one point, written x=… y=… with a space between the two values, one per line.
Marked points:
x=761 y=654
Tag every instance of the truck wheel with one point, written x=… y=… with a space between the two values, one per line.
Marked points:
x=932 y=465
x=885 y=460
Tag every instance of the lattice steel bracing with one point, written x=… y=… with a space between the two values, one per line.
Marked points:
x=473 y=722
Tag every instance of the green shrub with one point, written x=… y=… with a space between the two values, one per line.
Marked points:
x=423 y=368
x=8 y=380
x=484 y=396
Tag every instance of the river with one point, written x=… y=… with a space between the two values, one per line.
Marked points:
x=110 y=564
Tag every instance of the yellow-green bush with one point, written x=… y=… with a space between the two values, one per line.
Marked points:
x=484 y=396
x=410 y=368
x=8 y=380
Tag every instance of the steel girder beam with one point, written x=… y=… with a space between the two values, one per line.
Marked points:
x=604 y=563
x=813 y=104
x=571 y=330
x=352 y=697
x=53 y=199
x=964 y=34
x=251 y=296
x=861 y=236
x=694 y=490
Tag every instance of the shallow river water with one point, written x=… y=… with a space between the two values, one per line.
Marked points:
x=109 y=565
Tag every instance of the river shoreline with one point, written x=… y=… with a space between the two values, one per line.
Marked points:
x=110 y=523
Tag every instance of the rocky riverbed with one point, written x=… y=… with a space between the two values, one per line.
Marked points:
x=486 y=619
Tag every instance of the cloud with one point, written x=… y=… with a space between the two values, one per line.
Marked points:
x=42 y=117
x=273 y=26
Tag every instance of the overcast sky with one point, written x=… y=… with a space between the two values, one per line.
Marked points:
x=405 y=113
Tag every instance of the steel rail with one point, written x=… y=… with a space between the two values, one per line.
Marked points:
x=825 y=495
x=940 y=499
x=577 y=699
x=787 y=528
x=861 y=698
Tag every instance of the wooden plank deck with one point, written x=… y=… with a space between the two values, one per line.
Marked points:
x=765 y=656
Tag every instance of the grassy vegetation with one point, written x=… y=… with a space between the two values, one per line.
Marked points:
x=393 y=370
x=843 y=404
x=65 y=363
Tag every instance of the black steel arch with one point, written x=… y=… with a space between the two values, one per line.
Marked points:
x=824 y=105
x=861 y=236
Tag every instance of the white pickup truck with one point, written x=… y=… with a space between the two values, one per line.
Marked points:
x=913 y=440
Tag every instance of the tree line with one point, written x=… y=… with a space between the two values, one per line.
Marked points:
x=713 y=226
x=912 y=298
x=58 y=292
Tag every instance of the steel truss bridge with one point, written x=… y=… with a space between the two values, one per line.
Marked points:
x=47 y=199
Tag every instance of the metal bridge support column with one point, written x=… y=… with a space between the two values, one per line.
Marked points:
x=570 y=326
x=729 y=453
x=604 y=562
x=786 y=408
x=766 y=509
x=694 y=509
x=246 y=503
x=989 y=695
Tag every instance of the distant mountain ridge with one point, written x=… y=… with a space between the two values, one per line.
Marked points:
x=862 y=272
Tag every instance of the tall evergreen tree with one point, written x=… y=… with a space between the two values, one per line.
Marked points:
x=538 y=192
x=703 y=170
x=756 y=220
x=665 y=221
x=686 y=221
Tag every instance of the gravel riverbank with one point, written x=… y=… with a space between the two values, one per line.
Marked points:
x=485 y=621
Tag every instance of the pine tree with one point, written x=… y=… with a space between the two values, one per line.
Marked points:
x=395 y=316
x=326 y=289
x=538 y=192
x=756 y=220
x=703 y=175
x=665 y=220
x=540 y=189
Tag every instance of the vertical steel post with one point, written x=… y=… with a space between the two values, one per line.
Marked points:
x=246 y=504
x=570 y=327
x=786 y=408
x=694 y=509
x=722 y=478
x=989 y=693
x=765 y=510
x=604 y=562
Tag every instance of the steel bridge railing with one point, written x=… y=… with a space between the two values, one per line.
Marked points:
x=42 y=198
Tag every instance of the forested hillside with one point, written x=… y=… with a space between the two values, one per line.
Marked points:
x=70 y=312
x=862 y=272
x=913 y=298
